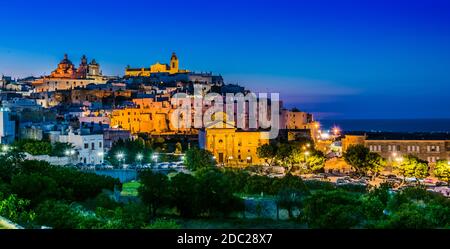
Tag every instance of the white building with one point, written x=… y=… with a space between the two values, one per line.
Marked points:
x=89 y=146
x=7 y=126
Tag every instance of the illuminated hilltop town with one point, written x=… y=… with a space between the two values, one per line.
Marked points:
x=81 y=106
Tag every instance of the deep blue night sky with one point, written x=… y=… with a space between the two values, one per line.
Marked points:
x=338 y=59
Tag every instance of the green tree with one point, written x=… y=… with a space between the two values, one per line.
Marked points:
x=57 y=214
x=332 y=209
x=363 y=160
x=284 y=155
x=442 y=170
x=34 y=147
x=374 y=203
x=163 y=224
x=412 y=166
x=10 y=164
x=17 y=210
x=154 y=190
x=268 y=152
x=409 y=216
x=197 y=158
x=214 y=193
x=34 y=187
x=316 y=161
x=184 y=194
x=131 y=216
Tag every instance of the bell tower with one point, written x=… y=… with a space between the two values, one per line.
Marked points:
x=174 y=63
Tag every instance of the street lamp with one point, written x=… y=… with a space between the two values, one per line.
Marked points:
x=306 y=155
x=5 y=148
x=139 y=158
x=155 y=158
x=120 y=156
x=336 y=131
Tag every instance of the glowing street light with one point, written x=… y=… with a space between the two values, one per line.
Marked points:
x=336 y=131
x=120 y=155
x=139 y=157
x=5 y=148
x=100 y=154
x=306 y=153
x=69 y=152
x=399 y=159
x=155 y=158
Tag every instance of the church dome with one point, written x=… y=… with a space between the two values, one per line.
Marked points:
x=66 y=60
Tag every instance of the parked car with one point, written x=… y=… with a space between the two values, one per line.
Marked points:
x=164 y=165
x=441 y=183
x=342 y=181
x=411 y=179
x=322 y=175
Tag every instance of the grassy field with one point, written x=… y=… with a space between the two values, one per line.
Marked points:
x=130 y=189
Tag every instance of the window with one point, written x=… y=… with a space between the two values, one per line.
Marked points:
x=413 y=148
x=432 y=148
x=375 y=148
x=92 y=146
x=86 y=146
x=394 y=147
x=99 y=144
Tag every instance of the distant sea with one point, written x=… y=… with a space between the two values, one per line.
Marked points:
x=389 y=125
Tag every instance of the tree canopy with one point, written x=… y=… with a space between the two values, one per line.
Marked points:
x=363 y=160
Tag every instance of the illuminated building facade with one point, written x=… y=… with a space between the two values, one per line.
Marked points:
x=430 y=148
x=172 y=68
x=66 y=76
x=231 y=146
